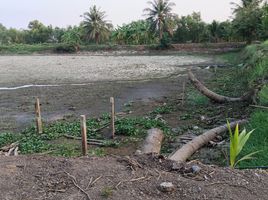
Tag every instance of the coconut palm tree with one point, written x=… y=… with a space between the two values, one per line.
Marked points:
x=95 y=25
x=159 y=15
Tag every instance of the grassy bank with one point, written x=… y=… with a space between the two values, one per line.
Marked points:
x=69 y=48
x=255 y=71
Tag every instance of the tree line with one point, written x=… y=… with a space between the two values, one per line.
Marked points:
x=249 y=22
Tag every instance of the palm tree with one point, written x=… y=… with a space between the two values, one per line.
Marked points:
x=159 y=15
x=95 y=25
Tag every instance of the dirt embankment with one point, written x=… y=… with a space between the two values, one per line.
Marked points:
x=34 y=177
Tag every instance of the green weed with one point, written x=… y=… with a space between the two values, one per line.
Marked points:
x=258 y=141
x=165 y=109
x=196 y=99
x=107 y=192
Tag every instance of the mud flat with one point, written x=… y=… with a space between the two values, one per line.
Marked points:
x=71 y=85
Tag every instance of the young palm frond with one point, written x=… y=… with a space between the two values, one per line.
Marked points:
x=237 y=142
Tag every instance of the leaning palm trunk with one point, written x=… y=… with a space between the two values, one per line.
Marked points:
x=191 y=147
x=214 y=96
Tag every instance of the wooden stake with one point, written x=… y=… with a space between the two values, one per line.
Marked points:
x=84 y=134
x=183 y=92
x=112 y=117
x=38 y=117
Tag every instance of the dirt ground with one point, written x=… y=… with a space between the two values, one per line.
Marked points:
x=113 y=177
x=69 y=86
x=74 y=85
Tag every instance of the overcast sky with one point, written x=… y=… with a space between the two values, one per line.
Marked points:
x=18 y=13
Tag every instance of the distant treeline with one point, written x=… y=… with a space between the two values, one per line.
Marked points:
x=249 y=22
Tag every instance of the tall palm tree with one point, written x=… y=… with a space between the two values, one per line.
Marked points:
x=95 y=25
x=159 y=15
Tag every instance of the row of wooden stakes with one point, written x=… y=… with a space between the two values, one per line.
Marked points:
x=83 y=126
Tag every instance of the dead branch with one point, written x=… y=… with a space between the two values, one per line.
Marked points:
x=257 y=106
x=89 y=141
x=9 y=146
x=191 y=147
x=76 y=185
x=212 y=95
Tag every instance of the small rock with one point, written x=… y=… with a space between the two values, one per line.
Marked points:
x=158 y=117
x=176 y=166
x=202 y=118
x=195 y=169
x=167 y=187
x=138 y=152
x=175 y=130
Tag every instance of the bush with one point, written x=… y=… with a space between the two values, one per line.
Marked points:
x=65 y=48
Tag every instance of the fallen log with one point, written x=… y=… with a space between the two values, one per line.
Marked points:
x=153 y=141
x=214 y=96
x=191 y=147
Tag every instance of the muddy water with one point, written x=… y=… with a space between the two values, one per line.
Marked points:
x=74 y=89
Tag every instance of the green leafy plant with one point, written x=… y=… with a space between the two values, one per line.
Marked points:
x=237 y=142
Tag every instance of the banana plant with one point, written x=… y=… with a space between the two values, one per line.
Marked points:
x=237 y=142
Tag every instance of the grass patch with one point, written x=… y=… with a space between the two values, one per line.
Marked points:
x=232 y=58
x=258 y=140
x=164 y=109
x=26 y=48
x=137 y=126
x=194 y=98
x=107 y=192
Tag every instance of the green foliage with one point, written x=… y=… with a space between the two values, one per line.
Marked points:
x=191 y=29
x=196 y=99
x=64 y=48
x=263 y=96
x=107 y=192
x=26 y=48
x=237 y=142
x=7 y=138
x=72 y=36
x=97 y=152
x=255 y=58
x=135 y=33
x=160 y=17
x=38 y=33
x=247 y=22
x=258 y=141
x=165 y=109
x=137 y=126
x=53 y=141
x=95 y=25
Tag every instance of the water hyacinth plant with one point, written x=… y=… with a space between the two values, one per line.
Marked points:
x=237 y=142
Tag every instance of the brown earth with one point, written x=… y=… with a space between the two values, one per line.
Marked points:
x=37 y=177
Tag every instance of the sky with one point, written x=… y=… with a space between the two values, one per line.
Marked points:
x=18 y=13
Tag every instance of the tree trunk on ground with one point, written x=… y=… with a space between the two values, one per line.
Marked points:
x=191 y=147
x=153 y=141
x=212 y=95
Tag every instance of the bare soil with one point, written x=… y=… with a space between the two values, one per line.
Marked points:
x=72 y=85
x=114 y=177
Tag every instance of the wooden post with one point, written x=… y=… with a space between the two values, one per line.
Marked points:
x=183 y=92
x=112 y=116
x=38 y=117
x=84 y=134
